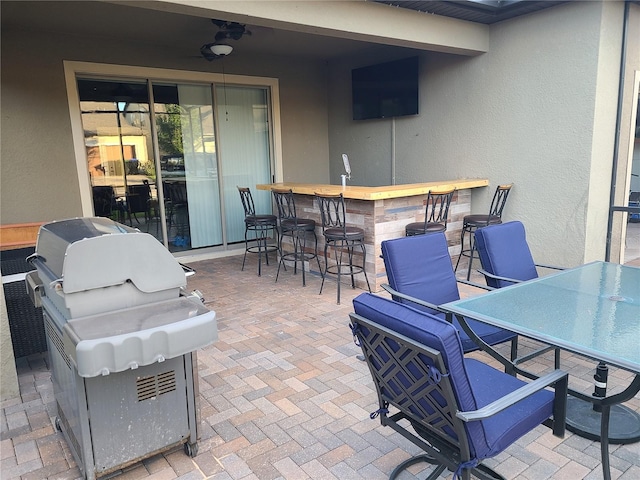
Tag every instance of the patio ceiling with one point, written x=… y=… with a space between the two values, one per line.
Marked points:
x=163 y=24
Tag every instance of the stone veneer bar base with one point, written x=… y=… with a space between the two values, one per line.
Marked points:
x=382 y=219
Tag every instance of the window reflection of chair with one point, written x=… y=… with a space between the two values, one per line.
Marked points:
x=139 y=201
x=177 y=212
x=104 y=201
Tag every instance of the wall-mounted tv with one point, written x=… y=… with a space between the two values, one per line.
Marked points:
x=386 y=89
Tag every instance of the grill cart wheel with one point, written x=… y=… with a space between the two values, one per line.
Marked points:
x=191 y=449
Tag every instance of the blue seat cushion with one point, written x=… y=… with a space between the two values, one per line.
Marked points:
x=489 y=334
x=504 y=251
x=475 y=384
x=504 y=428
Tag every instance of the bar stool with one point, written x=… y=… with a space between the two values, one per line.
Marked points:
x=261 y=226
x=296 y=228
x=342 y=238
x=471 y=223
x=435 y=215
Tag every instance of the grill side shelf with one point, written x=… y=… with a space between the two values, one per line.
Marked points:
x=140 y=336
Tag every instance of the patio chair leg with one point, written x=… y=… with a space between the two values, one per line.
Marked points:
x=417 y=459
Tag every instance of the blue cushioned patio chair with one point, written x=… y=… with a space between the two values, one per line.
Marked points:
x=420 y=273
x=506 y=259
x=462 y=410
x=505 y=255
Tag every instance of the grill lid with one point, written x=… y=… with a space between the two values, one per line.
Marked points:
x=89 y=253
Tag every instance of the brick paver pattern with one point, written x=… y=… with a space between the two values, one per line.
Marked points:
x=283 y=396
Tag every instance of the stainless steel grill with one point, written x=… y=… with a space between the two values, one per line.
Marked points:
x=122 y=334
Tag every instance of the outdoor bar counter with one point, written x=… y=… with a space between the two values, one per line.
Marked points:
x=383 y=212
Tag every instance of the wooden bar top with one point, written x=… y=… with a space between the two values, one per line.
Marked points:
x=377 y=193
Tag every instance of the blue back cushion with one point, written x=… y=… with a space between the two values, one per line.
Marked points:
x=504 y=251
x=432 y=332
x=421 y=267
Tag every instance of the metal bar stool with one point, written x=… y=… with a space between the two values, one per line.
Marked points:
x=471 y=223
x=343 y=239
x=296 y=228
x=435 y=215
x=260 y=226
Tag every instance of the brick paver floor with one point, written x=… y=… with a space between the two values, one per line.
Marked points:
x=283 y=396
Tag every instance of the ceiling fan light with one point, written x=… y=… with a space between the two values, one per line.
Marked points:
x=221 y=49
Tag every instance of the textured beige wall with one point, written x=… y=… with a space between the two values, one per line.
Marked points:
x=38 y=171
x=538 y=109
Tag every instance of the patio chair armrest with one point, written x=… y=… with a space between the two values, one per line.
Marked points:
x=497 y=277
x=474 y=284
x=417 y=301
x=516 y=396
x=552 y=267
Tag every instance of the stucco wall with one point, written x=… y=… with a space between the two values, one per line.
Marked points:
x=39 y=181
x=537 y=110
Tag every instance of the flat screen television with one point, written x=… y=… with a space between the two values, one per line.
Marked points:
x=386 y=89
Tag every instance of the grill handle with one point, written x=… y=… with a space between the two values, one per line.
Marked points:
x=188 y=271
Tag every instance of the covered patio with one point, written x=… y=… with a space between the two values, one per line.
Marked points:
x=283 y=396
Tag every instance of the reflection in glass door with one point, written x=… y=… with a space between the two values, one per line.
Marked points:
x=118 y=141
x=154 y=159
x=189 y=171
x=243 y=118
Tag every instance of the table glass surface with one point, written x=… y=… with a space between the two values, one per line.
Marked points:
x=593 y=310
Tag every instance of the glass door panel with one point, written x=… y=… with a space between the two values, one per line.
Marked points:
x=243 y=119
x=119 y=146
x=181 y=203
x=186 y=139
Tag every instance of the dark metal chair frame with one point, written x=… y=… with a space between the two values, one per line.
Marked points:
x=413 y=378
x=260 y=226
x=471 y=223
x=435 y=215
x=104 y=201
x=139 y=201
x=177 y=207
x=296 y=228
x=342 y=238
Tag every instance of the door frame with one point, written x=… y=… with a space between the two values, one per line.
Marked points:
x=73 y=69
x=621 y=179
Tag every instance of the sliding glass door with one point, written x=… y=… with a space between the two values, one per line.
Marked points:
x=245 y=153
x=188 y=165
x=156 y=163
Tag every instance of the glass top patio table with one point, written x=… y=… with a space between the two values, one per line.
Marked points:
x=593 y=310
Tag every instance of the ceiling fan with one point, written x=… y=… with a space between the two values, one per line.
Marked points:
x=220 y=47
